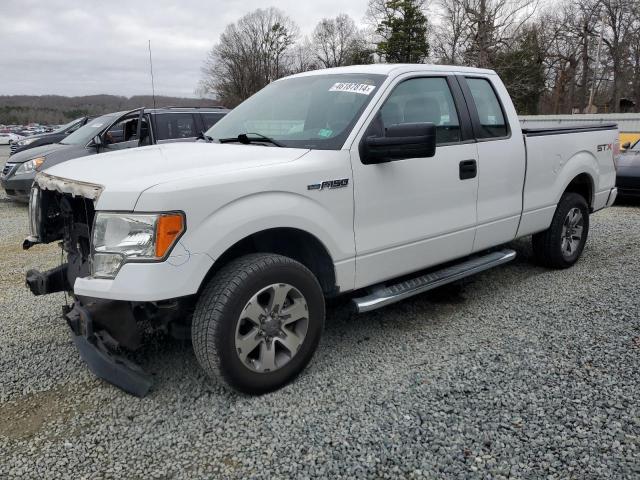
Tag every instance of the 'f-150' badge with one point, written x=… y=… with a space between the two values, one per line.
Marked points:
x=342 y=182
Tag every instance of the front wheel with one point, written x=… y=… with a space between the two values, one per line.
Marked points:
x=561 y=245
x=258 y=322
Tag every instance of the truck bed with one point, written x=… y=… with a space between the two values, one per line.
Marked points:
x=556 y=156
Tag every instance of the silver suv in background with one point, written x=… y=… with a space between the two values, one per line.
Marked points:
x=107 y=133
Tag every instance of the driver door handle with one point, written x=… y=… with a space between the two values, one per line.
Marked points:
x=468 y=169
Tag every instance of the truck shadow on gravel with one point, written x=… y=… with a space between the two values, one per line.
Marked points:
x=173 y=363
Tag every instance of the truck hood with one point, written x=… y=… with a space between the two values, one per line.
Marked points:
x=122 y=176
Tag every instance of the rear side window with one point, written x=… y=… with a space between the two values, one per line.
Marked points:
x=210 y=119
x=490 y=114
x=170 y=126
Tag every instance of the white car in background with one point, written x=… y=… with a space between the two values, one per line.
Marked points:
x=8 y=138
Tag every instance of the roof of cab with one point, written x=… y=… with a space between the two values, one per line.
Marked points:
x=397 y=69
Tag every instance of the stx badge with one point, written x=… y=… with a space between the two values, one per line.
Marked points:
x=604 y=147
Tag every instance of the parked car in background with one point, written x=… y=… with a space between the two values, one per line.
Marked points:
x=628 y=171
x=108 y=133
x=7 y=138
x=48 y=138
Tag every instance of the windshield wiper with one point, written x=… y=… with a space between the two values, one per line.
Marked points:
x=244 y=138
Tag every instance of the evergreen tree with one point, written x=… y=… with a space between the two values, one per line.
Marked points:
x=403 y=28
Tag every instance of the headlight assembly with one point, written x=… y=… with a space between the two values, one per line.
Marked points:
x=30 y=166
x=132 y=237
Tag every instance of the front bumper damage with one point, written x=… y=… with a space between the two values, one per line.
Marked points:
x=98 y=349
x=105 y=332
x=102 y=330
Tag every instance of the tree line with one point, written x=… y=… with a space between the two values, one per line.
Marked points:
x=566 y=57
x=56 y=109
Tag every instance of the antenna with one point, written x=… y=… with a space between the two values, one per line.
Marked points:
x=153 y=88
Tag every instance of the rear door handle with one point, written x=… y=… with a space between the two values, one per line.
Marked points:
x=468 y=169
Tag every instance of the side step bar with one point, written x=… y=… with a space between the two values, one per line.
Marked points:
x=382 y=295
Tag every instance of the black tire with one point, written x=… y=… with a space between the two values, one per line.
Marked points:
x=219 y=309
x=548 y=245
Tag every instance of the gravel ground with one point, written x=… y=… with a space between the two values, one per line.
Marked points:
x=517 y=373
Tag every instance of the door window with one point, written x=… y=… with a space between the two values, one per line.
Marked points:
x=170 y=126
x=426 y=99
x=490 y=115
x=125 y=131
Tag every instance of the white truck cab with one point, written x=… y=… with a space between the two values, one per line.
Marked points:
x=330 y=182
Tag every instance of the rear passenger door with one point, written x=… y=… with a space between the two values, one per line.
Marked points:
x=174 y=127
x=414 y=213
x=502 y=161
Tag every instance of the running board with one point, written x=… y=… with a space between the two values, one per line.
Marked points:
x=382 y=295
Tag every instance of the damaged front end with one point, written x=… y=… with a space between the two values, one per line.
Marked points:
x=62 y=210
x=55 y=215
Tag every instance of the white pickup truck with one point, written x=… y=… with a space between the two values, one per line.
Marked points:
x=377 y=181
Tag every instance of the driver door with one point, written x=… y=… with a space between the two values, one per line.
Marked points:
x=414 y=213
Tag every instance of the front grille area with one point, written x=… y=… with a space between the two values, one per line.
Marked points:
x=14 y=147
x=8 y=168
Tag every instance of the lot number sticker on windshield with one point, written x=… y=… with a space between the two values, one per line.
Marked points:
x=361 y=88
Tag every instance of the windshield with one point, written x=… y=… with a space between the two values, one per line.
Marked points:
x=635 y=146
x=67 y=126
x=90 y=130
x=316 y=111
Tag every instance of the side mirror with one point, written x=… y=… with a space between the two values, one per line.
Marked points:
x=625 y=145
x=97 y=141
x=402 y=141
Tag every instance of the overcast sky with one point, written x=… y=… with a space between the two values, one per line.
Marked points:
x=83 y=47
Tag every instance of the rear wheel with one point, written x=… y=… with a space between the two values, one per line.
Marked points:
x=561 y=245
x=258 y=322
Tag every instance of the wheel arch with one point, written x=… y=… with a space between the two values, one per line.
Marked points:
x=582 y=184
x=294 y=243
x=579 y=175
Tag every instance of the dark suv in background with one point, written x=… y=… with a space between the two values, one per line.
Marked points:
x=107 y=133
x=56 y=136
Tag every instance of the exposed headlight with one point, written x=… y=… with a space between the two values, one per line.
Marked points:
x=30 y=166
x=26 y=141
x=132 y=237
x=34 y=212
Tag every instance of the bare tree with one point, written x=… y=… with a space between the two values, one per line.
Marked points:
x=334 y=40
x=635 y=63
x=493 y=25
x=303 y=57
x=620 y=18
x=251 y=53
x=474 y=30
x=452 y=33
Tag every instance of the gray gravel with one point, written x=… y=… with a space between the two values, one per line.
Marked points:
x=517 y=373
